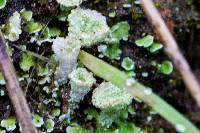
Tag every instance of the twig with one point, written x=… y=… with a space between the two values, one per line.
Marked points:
x=172 y=49
x=14 y=91
x=137 y=90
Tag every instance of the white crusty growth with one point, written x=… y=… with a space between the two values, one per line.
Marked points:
x=12 y=29
x=70 y=3
x=66 y=50
x=89 y=26
x=109 y=96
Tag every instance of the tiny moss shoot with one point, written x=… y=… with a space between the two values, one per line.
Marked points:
x=26 y=15
x=33 y=27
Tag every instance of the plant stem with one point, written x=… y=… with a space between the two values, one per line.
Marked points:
x=112 y=74
x=15 y=91
x=172 y=50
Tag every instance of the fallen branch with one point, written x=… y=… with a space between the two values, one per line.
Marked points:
x=172 y=49
x=14 y=91
x=137 y=90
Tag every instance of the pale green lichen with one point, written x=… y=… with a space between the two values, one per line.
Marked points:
x=88 y=26
x=2 y=4
x=66 y=50
x=107 y=95
x=12 y=29
x=70 y=3
x=81 y=82
x=9 y=123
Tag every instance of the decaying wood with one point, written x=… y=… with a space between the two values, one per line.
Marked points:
x=172 y=49
x=14 y=91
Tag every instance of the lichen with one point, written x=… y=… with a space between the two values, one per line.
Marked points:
x=66 y=50
x=88 y=26
x=107 y=95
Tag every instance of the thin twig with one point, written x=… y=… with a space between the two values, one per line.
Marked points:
x=14 y=91
x=172 y=49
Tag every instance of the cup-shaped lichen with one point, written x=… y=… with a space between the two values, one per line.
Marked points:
x=12 y=29
x=88 y=26
x=109 y=96
x=66 y=50
x=81 y=82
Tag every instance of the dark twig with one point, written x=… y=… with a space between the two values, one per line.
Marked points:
x=172 y=49
x=15 y=92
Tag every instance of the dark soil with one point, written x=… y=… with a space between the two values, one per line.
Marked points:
x=181 y=17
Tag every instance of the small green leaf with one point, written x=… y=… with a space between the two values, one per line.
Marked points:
x=113 y=51
x=55 y=112
x=2 y=4
x=120 y=31
x=27 y=61
x=155 y=47
x=166 y=67
x=2 y=80
x=9 y=123
x=27 y=15
x=33 y=27
x=49 y=125
x=128 y=64
x=146 y=41
x=55 y=31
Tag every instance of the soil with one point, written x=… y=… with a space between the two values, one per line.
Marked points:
x=181 y=17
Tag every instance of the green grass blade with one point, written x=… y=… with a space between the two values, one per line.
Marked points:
x=112 y=74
